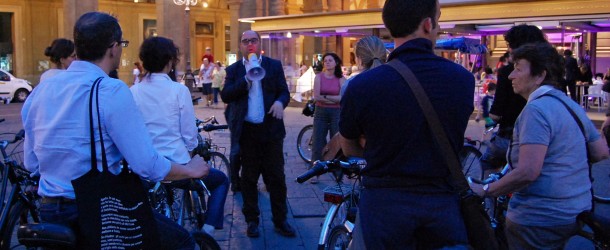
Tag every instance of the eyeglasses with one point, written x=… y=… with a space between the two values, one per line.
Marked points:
x=248 y=41
x=123 y=43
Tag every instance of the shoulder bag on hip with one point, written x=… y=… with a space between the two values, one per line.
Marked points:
x=113 y=210
x=478 y=224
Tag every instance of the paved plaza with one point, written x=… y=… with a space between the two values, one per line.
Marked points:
x=306 y=208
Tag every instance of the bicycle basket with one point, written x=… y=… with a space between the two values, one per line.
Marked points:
x=337 y=194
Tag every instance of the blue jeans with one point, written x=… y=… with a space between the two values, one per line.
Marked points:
x=216 y=91
x=171 y=235
x=325 y=120
x=399 y=218
x=218 y=184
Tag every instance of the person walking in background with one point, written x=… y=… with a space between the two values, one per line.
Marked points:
x=549 y=177
x=208 y=54
x=57 y=143
x=218 y=79
x=137 y=72
x=406 y=201
x=507 y=105
x=370 y=52
x=486 y=103
x=61 y=53
x=326 y=93
x=571 y=73
x=256 y=113
x=170 y=118
x=205 y=77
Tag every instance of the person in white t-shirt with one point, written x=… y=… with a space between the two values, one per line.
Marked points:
x=205 y=75
x=61 y=53
x=137 y=72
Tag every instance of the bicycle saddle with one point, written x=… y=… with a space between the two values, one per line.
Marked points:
x=47 y=235
x=600 y=225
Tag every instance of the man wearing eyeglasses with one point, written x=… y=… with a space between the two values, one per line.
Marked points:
x=56 y=122
x=256 y=111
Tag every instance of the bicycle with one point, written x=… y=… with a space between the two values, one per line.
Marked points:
x=470 y=155
x=336 y=232
x=305 y=143
x=18 y=192
x=207 y=149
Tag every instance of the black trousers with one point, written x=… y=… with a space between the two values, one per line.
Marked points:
x=262 y=156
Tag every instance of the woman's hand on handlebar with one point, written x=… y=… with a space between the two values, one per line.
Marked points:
x=478 y=189
x=198 y=166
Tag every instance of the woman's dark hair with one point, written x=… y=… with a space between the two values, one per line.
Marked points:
x=94 y=33
x=522 y=34
x=542 y=58
x=338 y=72
x=60 y=48
x=402 y=17
x=156 y=53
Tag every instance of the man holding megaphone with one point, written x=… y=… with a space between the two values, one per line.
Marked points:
x=256 y=92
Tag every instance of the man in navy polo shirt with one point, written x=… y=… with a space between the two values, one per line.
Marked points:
x=407 y=201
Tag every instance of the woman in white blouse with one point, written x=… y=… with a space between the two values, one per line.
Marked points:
x=169 y=115
x=61 y=53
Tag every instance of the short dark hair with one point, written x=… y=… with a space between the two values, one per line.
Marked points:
x=542 y=58
x=94 y=32
x=60 y=48
x=402 y=17
x=157 y=52
x=491 y=87
x=567 y=52
x=522 y=34
x=338 y=72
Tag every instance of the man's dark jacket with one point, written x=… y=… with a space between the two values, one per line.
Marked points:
x=235 y=93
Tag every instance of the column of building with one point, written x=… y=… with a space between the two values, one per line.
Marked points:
x=73 y=9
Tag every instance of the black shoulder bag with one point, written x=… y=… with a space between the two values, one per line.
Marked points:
x=478 y=225
x=113 y=210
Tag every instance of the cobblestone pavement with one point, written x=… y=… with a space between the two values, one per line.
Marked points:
x=306 y=208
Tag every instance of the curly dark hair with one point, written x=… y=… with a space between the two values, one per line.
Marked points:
x=402 y=17
x=338 y=72
x=542 y=58
x=94 y=32
x=157 y=52
x=522 y=34
x=60 y=48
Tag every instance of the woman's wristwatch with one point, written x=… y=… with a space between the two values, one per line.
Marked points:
x=485 y=189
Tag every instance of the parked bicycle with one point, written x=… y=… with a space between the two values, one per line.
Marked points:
x=470 y=155
x=305 y=143
x=18 y=192
x=210 y=152
x=336 y=232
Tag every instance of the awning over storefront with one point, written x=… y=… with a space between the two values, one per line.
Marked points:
x=461 y=44
x=476 y=17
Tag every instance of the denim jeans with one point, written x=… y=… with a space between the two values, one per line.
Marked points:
x=171 y=235
x=218 y=185
x=325 y=120
x=393 y=218
x=216 y=91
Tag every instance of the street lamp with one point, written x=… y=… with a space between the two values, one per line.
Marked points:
x=189 y=79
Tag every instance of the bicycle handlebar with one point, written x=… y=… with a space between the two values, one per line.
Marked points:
x=211 y=127
x=353 y=164
x=1 y=119
x=492 y=177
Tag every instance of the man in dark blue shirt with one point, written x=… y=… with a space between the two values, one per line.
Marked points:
x=408 y=201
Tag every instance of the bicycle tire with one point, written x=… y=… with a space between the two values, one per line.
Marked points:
x=470 y=158
x=205 y=241
x=339 y=238
x=220 y=162
x=18 y=215
x=305 y=143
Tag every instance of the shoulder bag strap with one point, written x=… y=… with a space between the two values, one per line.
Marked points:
x=459 y=181
x=582 y=129
x=95 y=88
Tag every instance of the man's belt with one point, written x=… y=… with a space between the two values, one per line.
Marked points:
x=62 y=200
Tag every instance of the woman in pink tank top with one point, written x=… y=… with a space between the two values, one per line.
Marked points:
x=326 y=87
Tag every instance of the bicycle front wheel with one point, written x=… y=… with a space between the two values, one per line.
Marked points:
x=205 y=241
x=220 y=162
x=339 y=238
x=18 y=215
x=305 y=143
x=470 y=158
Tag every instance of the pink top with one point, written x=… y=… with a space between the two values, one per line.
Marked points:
x=329 y=86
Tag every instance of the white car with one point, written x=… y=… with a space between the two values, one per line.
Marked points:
x=13 y=88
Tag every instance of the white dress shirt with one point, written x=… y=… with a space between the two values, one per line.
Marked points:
x=256 y=108
x=56 y=122
x=168 y=113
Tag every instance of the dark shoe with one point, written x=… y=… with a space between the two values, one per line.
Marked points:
x=285 y=229
x=252 y=230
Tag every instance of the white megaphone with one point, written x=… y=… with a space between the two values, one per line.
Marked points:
x=256 y=72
